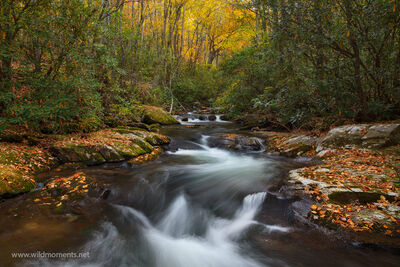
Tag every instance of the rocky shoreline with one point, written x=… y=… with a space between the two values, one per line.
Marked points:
x=355 y=190
x=351 y=182
x=24 y=156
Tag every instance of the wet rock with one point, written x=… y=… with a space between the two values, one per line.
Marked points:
x=185 y=119
x=212 y=118
x=237 y=142
x=153 y=114
x=202 y=117
x=224 y=117
x=105 y=194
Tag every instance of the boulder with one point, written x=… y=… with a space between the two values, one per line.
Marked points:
x=237 y=142
x=185 y=119
x=224 y=117
x=202 y=117
x=296 y=146
x=212 y=118
x=110 y=154
x=77 y=153
x=153 y=114
x=382 y=135
x=362 y=135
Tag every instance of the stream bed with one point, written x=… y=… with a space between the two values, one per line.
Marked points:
x=195 y=206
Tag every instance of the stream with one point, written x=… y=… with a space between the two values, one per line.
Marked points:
x=197 y=205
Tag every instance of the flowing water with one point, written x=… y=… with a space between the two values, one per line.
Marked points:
x=195 y=206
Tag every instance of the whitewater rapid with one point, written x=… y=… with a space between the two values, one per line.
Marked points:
x=186 y=233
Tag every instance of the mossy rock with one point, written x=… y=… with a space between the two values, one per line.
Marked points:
x=139 y=125
x=13 y=182
x=152 y=138
x=110 y=154
x=155 y=127
x=140 y=142
x=129 y=151
x=78 y=153
x=153 y=115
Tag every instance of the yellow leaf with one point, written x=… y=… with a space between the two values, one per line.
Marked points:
x=348 y=33
x=116 y=53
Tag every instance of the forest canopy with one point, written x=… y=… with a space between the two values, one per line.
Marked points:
x=72 y=65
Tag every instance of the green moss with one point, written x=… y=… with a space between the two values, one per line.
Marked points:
x=129 y=150
x=153 y=115
x=12 y=182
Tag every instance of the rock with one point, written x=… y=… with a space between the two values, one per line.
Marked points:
x=129 y=150
x=212 y=118
x=299 y=145
x=224 y=117
x=65 y=154
x=155 y=127
x=139 y=125
x=349 y=197
x=237 y=142
x=371 y=216
x=110 y=154
x=382 y=135
x=185 y=119
x=153 y=114
x=202 y=117
x=13 y=182
x=362 y=135
x=77 y=153
x=390 y=209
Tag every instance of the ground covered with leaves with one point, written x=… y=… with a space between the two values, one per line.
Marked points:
x=355 y=190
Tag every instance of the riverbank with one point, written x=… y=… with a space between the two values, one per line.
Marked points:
x=24 y=154
x=356 y=188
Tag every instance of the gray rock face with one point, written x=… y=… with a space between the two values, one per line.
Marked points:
x=382 y=135
x=299 y=145
x=371 y=216
x=237 y=142
x=363 y=135
x=78 y=153
x=110 y=154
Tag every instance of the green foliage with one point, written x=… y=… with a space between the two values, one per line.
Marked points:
x=202 y=86
x=314 y=60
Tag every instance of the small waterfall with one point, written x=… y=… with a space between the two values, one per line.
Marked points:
x=172 y=246
x=176 y=221
x=191 y=118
